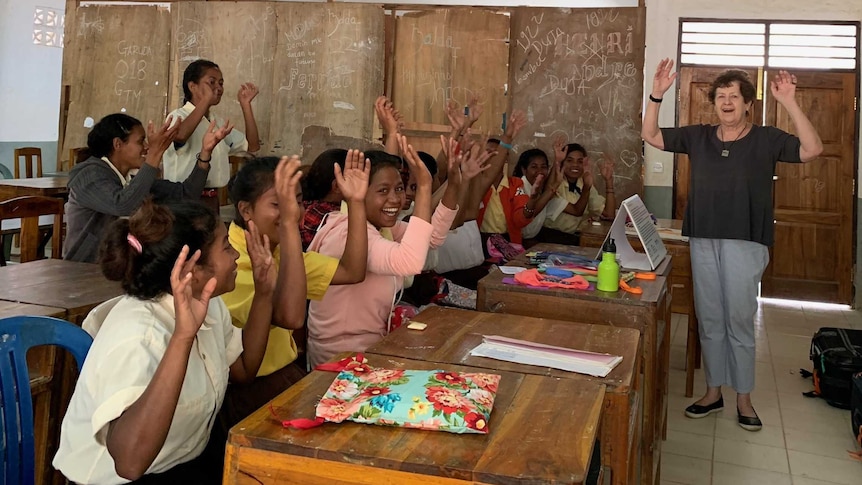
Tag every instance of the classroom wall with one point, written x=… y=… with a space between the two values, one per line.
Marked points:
x=29 y=83
x=662 y=41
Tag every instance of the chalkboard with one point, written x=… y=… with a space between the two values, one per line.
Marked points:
x=328 y=71
x=240 y=38
x=451 y=54
x=115 y=60
x=579 y=73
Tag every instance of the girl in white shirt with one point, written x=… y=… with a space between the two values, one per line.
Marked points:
x=155 y=377
x=203 y=86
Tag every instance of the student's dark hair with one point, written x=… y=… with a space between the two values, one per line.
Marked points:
x=318 y=180
x=380 y=159
x=727 y=78
x=493 y=140
x=100 y=140
x=575 y=147
x=253 y=179
x=429 y=161
x=162 y=230
x=524 y=160
x=193 y=74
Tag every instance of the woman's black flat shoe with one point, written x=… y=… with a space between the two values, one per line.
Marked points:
x=697 y=411
x=748 y=423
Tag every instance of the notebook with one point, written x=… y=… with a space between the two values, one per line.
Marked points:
x=532 y=353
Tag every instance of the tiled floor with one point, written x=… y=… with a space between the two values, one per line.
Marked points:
x=803 y=441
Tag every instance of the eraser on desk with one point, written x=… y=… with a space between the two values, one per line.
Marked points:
x=417 y=326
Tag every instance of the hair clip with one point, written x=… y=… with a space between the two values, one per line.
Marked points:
x=134 y=243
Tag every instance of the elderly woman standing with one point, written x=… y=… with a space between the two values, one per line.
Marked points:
x=729 y=219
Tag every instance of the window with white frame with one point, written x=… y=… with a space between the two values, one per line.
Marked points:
x=771 y=44
x=48 y=26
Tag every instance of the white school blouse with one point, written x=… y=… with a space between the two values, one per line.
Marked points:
x=178 y=162
x=130 y=339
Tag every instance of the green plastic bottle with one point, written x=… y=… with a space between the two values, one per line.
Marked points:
x=609 y=270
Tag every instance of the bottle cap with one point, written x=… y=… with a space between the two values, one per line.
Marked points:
x=610 y=246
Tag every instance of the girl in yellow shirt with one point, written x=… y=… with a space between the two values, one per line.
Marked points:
x=257 y=198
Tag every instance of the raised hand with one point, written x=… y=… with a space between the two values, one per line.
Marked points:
x=214 y=135
x=353 y=179
x=516 y=123
x=475 y=110
x=246 y=93
x=386 y=114
x=559 y=148
x=208 y=94
x=587 y=177
x=287 y=176
x=664 y=78
x=474 y=162
x=783 y=87
x=456 y=117
x=555 y=175
x=539 y=185
x=159 y=140
x=263 y=269
x=417 y=168
x=190 y=310
x=607 y=168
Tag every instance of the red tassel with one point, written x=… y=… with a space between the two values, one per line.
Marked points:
x=300 y=423
x=341 y=364
x=303 y=423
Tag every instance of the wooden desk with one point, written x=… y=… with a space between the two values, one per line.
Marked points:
x=44 y=186
x=452 y=334
x=649 y=313
x=75 y=289
x=72 y=286
x=542 y=430
x=681 y=286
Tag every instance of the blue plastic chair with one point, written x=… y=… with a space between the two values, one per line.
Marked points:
x=17 y=335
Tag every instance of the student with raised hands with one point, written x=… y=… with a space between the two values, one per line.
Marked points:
x=163 y=353
x=263 y=198
x=505 y=207
x=354 y=317
x=203 y=86
x=101 y=189
x=577 y=188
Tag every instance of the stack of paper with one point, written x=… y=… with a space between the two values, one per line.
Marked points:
x=532 y=353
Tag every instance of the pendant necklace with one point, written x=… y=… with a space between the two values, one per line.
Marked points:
x=725 y=152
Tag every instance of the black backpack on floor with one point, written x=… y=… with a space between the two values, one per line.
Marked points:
x=856 y=407
x=836 y=354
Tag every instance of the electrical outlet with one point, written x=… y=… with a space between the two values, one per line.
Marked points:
x=658 y=167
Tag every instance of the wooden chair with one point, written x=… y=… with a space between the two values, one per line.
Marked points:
x=28 y=209
x=31 y=155
x=19 y=334
x=66 y=165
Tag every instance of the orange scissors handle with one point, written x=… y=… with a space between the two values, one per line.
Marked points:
x=645 y=276
x=633 y=290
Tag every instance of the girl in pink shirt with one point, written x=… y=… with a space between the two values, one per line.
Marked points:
x=354 y=317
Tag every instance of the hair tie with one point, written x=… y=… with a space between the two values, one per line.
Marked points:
x=134 y=243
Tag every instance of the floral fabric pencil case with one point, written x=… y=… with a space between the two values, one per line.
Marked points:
x=424 y=399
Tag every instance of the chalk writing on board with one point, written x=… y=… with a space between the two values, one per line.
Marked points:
x=192 y=41
x=130 y=70
x=89 y=23
x=337 y=77
x=346 y=17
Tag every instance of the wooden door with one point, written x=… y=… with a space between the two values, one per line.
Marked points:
x=694 y=108
x=813 y=255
